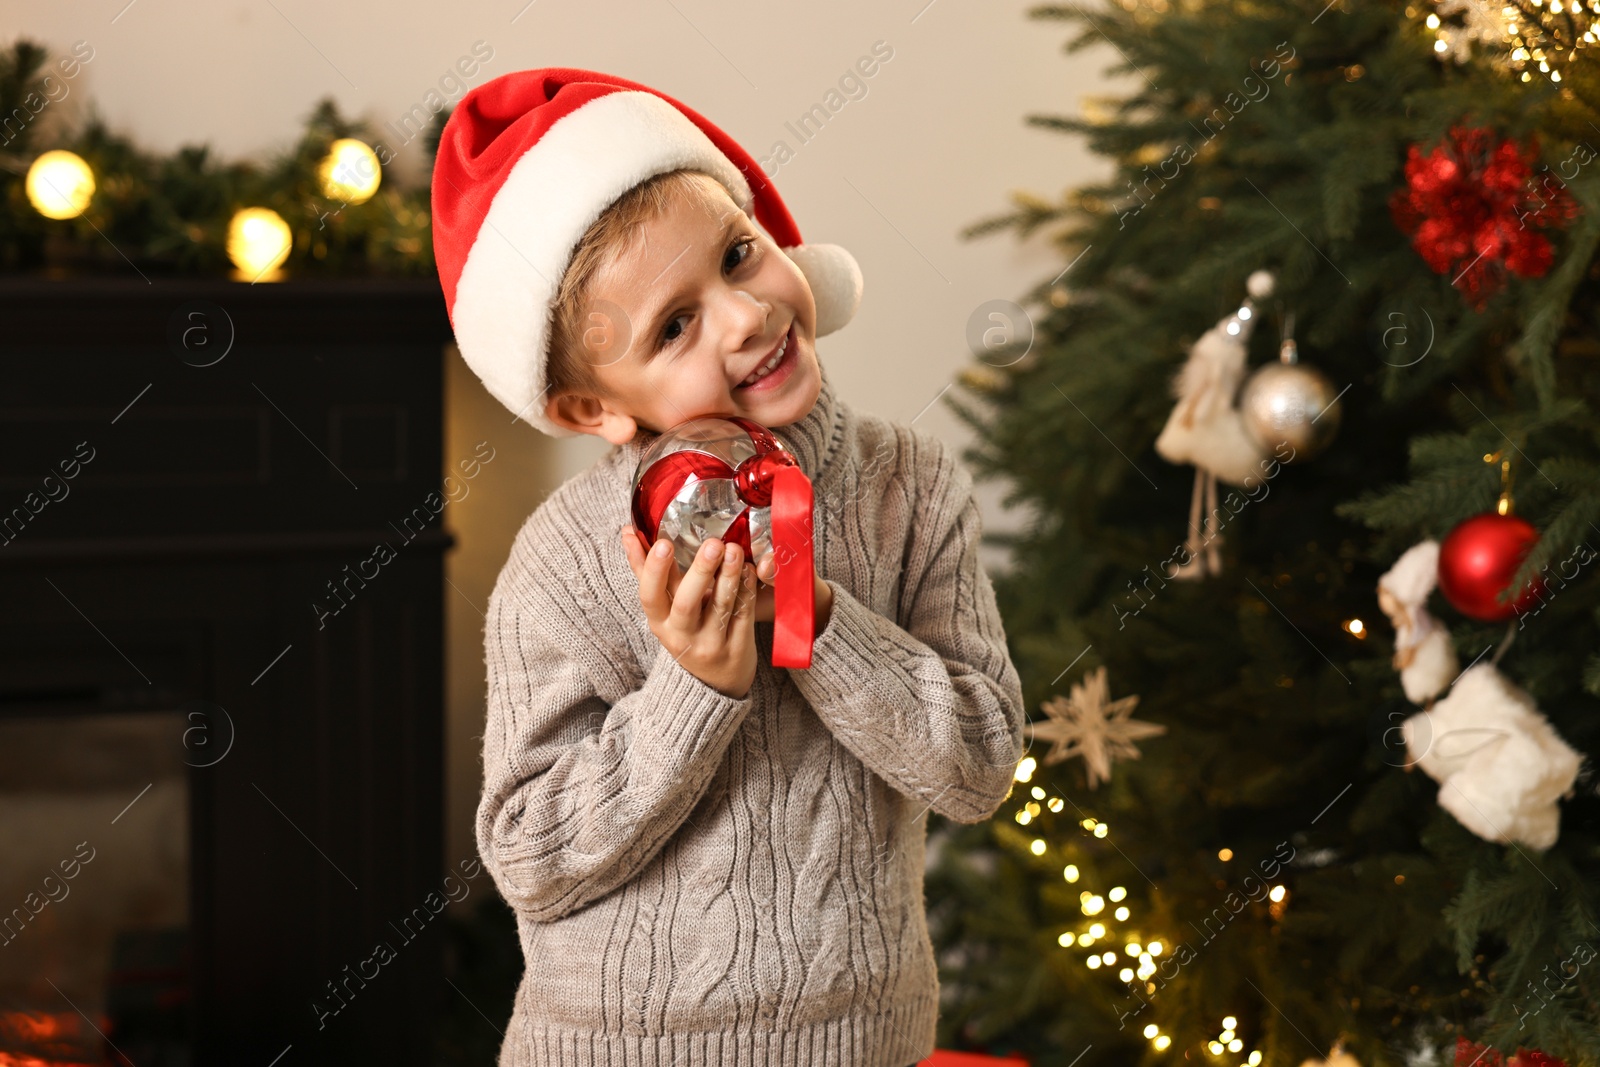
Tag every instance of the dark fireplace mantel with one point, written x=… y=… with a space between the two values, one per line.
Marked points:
x=245 y=536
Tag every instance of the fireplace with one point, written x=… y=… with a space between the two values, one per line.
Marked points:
x=220 y=716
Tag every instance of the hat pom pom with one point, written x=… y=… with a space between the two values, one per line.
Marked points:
x=835 y=280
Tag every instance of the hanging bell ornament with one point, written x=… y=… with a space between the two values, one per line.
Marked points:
x=1289 y=403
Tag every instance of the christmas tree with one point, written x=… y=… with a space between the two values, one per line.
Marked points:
x=1338 y=299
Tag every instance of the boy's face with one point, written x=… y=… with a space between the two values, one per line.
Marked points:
x=705 y=300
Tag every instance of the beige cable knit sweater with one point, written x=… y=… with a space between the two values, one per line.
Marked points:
x=700 y=880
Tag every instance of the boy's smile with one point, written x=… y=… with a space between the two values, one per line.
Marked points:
x=700 y=314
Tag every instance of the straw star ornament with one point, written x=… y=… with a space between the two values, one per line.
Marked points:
x=1088 y=723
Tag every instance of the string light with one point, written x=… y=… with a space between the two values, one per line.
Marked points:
x=1122 y=914
x=1070 y=872
x=1037 y=847
x=59 y=184
x=1278 y=893
x=1225 y=854
x=1117 y=893
x=1101 y=830
x=1126 y=974
x=1162 y=1043
x=1520 y=34
x=1097 y=931
x=1025 y=769
x=258 y=243
x=1093 y=963
x=1356 y=628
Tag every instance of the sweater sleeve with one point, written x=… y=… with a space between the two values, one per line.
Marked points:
x=933 y=707
x=579 y=795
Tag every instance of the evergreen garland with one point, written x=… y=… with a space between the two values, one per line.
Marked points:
x=170 y=215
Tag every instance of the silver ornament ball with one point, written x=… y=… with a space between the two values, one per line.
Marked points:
x=1293 y=404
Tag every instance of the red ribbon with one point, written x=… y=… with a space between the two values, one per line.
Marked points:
x=770 y=478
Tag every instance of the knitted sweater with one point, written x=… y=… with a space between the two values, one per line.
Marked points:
x=703 y=880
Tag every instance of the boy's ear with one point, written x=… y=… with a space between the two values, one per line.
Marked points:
x=588 y=414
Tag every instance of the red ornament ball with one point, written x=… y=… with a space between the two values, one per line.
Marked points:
x=1477 y=561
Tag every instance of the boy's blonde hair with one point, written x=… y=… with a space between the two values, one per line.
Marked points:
x=612 y=233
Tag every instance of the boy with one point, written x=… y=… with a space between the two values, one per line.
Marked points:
x=712 y=861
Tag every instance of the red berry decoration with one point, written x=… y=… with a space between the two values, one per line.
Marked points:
x=1477 y=561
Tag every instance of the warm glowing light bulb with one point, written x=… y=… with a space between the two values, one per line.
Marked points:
x=59 y=185
x=1025 y=769
x=1070 y=872
x=1162 y=1043
x=1230 y=1023
x=1037 y=847
x=1235 y=1045
x=1122 y=914
x=1097 y=930
x=1085 y=940
x=1101 y=830
x=1133 y=948
x=1093 y=963
x=1152 y=1030
x=1126 y=974
x=1117 y=893
x=1154 y=948
x=1108 y=958
x=1277 y=893
x=349 y=171
x=258 y=241
x=1225 y=854
x=1215 y=1047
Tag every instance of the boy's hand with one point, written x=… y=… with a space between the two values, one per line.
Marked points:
x=705 y=617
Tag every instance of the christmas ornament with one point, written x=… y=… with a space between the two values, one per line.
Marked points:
x=1468 y=205
x=1205 y=428
x=1500 y=765
x=1470 y=1054
x=1290 y=404
x=1088 y=723
x=1477 y=561
x=1423 y=652
x=733 y=479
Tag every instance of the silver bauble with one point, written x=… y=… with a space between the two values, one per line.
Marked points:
x=1290 y=403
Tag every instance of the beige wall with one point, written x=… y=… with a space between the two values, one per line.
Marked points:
x=936 y=143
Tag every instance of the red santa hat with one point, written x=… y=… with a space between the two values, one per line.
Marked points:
x=527 y=162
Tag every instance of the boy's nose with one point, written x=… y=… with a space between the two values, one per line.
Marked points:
x=746 y=317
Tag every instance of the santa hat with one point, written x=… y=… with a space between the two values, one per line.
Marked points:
x=527 y=162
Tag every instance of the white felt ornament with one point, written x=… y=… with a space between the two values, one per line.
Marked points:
x=1206 y=428
x=1423 y=652
x=1500 y=765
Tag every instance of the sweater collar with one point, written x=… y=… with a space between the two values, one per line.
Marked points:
x=812 y=439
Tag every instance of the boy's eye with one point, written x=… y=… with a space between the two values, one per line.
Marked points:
x=743 y=242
